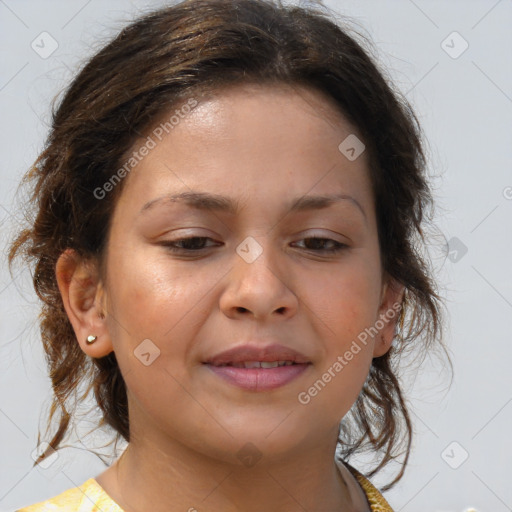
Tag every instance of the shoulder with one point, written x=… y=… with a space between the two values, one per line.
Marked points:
x=88 y=497
x=375 y=499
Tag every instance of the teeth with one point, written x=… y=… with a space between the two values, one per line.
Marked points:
x=259 y=364
x=251 y=364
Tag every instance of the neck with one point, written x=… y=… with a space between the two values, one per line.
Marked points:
x=151 y=475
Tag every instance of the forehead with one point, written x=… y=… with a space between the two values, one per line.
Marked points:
x=312 y=104
x=261 y=138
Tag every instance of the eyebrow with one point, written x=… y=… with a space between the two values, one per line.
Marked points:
x=215 y=202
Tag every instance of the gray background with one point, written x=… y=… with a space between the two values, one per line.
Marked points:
x=465 y=106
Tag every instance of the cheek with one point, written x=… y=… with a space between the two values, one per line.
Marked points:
x=153 y=306
x=163 y=302
x=152 y=294
x=346 y=303
x=346 y=300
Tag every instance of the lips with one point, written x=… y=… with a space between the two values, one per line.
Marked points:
x=247 y=355
x=259 y=369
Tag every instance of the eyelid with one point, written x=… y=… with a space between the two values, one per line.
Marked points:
x=173 y=245
x=326 y=233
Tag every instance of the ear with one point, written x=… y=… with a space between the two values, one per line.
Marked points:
x=84 y=300
x=389 y=313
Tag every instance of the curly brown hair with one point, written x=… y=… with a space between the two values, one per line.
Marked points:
x=196 y=47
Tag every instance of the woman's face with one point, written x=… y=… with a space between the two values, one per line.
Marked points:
x=253 y=162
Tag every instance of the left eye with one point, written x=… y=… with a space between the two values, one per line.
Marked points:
x=318 y=241
x=197 y=243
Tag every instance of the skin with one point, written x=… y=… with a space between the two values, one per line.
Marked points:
x=262 y=146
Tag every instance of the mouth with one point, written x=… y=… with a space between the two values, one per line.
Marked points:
x=257 y=364
x=257 y=368
x=257 y=356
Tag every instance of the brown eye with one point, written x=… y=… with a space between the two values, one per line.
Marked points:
x=190 y=244
x=319 y=244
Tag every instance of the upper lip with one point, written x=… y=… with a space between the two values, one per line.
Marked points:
x=251 y=352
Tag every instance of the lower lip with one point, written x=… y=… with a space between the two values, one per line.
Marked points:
x=259 y=379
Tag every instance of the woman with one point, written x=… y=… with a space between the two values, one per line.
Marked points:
x=227 y=213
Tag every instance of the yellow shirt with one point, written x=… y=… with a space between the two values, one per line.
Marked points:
x=90 y=497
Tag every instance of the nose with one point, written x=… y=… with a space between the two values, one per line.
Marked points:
x=259 y=289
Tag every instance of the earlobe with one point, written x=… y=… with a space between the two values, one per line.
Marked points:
x=389 y=314
x=83 y=297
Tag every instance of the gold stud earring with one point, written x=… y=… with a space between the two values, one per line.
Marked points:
x=91 y=339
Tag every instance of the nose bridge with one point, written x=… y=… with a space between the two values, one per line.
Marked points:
x=258 y=283
x=257 y=261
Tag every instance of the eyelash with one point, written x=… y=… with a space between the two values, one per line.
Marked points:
x=171 y=245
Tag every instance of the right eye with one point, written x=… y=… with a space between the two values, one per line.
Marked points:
x=189 y=244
